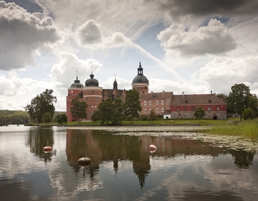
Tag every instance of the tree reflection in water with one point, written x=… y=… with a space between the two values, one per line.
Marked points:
x=39 y=138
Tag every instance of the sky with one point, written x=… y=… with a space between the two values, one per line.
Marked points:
x=190 y=46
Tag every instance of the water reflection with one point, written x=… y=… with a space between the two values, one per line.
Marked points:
x=103 y=146
x=39 y=138
x=122 y=167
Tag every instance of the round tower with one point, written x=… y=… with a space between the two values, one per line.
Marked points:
x=74 y=91
x=140 y=82
x=92 y=95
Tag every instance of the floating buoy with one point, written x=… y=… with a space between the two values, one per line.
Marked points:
x=153 y=148
x=84 y=161
x=47 y=149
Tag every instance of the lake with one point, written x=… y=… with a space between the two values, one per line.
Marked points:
x=122 y=167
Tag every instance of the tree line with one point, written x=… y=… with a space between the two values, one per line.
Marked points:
x=13 y=117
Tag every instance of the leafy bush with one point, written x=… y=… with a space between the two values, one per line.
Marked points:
x=47 y=117
x=61 y=118
x=199 y=112
x=248 y=114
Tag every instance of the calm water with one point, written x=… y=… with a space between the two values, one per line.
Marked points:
x=122 y=167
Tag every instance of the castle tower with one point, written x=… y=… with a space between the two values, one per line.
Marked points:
x=74 y=91
x=92 y=95
x=140 y=82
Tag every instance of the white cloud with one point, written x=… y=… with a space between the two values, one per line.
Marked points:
x=23 y=33
x=62 y=72
x=211 y=39
x=222 y=73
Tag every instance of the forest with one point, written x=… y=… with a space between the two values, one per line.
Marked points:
x=13 y=117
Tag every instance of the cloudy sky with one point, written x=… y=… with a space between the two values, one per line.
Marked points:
x=190 y=46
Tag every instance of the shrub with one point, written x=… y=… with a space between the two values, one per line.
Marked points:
x=248 y=114
x=199 y=112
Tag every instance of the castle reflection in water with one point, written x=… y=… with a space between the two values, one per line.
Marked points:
x=103 y=146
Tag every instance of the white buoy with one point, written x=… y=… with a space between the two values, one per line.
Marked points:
x=153 y=148
x=84 y=161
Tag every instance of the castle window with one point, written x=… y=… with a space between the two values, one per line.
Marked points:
x=144 y=102
x=162 y=102
x=209 y=108
x=149 y=102
x=157 y=102
x=162 y=109
x=144 y=110
x=217 y=108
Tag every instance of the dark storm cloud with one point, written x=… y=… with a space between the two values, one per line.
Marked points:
x=177 y=8
x=21 y=34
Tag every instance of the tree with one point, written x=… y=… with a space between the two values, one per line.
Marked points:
x=248 y=114
x=152 y=115
x=239 y=98
x=253 y=104
x=61 y=118
x=132 y=105
x=105 y=109
x=78 y=109
x=199 y=112
x=47 y=117
x=40 y=105
x=118 y=112
x=109 y=112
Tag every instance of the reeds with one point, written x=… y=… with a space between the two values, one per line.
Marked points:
x=247 y=128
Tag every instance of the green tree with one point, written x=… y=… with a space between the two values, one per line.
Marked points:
x=248 y=114
x=61 y=118
x=152 y=116
x=47 y=117
x=78 y=109
x=40 y=105
x=105 y=111
x=253 y=104
x=132 y=106
x=199 y=112
x=118 y=112
x=239 y=98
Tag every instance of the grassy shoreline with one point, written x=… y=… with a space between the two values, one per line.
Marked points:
x=230 y=127
x=248 y=128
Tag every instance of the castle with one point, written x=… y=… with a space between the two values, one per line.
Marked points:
x=163 y=103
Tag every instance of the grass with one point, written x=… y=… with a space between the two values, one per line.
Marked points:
x=160 y=122
x=247 y=128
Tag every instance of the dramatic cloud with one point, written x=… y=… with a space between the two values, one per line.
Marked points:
x=89 y=35
x=178 y=8
x=23 y=33
x=211 y=39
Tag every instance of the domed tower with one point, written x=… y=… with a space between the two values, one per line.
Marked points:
x=140 y=82
x=92 y=94
x=74 y=91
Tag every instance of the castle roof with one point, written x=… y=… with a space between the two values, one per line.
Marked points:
x=197 y=99
x=91 y=81
x=140 y=78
